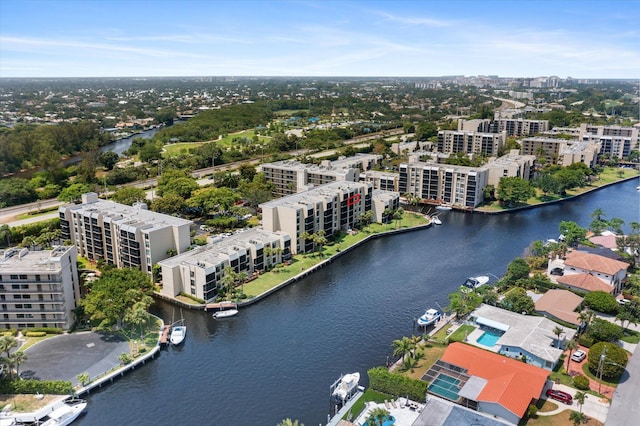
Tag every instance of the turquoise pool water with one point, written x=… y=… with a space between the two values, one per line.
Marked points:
x=489 y=338
x=446 y=387
x=389 y=421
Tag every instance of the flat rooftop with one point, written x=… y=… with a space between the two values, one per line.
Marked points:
x=25 y=260
x=312 y=196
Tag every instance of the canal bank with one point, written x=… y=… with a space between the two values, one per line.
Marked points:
x=282 y=358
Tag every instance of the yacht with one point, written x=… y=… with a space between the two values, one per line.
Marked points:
x=475 y=282
x=431 y=316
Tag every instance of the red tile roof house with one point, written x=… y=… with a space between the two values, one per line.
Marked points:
x=589 y=272
x=500 y=386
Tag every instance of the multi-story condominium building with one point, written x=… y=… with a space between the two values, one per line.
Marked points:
x=290 y=176
x=476 y=125
x=615 y=141
x=519 y=126
x=456 y=185
x=331 y=208
x=387 y=181
x=451 y=141
x=199 y=272
x=38 y=288
x=384 y=202
x=359 y=161
x=404 y=148
x=121 y=235
x=560 y=151
x=511 y=165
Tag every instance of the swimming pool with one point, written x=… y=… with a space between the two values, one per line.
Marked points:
x=388 y=421
x=489 y=338
x=446 y=387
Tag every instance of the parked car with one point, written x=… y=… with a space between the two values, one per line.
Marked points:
x=559 y=395
x=578 y=355
x=557 y=271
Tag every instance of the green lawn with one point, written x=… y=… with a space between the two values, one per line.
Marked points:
x=302 y=262
x=180 y=148
x=631 y=336
x=461 y=333
x=245 y=136
x=368 y=396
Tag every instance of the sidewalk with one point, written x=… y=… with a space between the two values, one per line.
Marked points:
x=594 y=407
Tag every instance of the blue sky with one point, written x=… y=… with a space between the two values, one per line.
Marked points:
x=510 y=38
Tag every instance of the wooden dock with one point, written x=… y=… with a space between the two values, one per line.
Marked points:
x=164 y=338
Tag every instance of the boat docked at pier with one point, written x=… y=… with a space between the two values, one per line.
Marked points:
x=224 y=309
x=346 y=387
x=431 y=316
x=475 y=282
x=65 y=414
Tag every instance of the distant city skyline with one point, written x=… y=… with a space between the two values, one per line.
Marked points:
x=74 y=38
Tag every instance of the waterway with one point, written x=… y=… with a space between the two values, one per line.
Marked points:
x=121 y=145
x=277 y=358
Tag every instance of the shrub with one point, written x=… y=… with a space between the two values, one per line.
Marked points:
x=31 y=386
x=382 y=380
x=615 y=359
x=35 y=334
x=581 y=382
x=604 y=331
x=602 y=302
x=585 y=341
x=532 y=411
x=48 y=330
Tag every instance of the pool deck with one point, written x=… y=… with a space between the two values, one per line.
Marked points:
x=403 y=414
x=473 y=337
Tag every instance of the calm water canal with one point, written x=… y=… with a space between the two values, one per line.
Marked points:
x=277 y=358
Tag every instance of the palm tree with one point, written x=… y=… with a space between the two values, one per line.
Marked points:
x=586 y=317
x=415 y=341
x=228 y=279
x=7 y=343
x=558 y=331
x=580 y=397
x=401 y=347
x=577 y=418
x=572 y=345
x=378 y=416
x=597 y=214
x=18 y=359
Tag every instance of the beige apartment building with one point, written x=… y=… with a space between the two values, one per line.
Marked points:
x=38 y=288
x=199 y=272
x=519 y=126
x=331 y=208
x=614 y=141
x=561 y=151
x=291 y=177
x=121 y=235
x=458 y=186
x=511 y=165
x=470 y=142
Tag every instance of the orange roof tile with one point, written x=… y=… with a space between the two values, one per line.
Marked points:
x=594 y=262
x=586 y=282
x=510 y=383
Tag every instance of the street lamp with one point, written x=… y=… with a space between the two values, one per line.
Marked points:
x=601 y=364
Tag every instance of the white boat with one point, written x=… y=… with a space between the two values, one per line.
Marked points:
x=432 y=316
x=436 y=220
x=178 y=333
x=443 y=207
x=226 y=309
x=65 y=414
x=348 y=383
x=475 y=282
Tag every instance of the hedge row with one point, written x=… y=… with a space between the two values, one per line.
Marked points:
x=48 y=330
x=35 y=334
x=31 y=386
x=382 y=380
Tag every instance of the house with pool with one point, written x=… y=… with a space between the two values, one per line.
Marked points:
x=486 y=382
x=524 y=337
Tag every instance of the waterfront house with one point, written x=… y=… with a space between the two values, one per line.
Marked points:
x=487 y=382
x=559 y=304
x=524 y=337
x=590 y=267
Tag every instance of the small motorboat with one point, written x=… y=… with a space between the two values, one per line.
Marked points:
x=436 y=220
x=65 y=414
x=225 y=309
x=444 y=207
x=431 y=316
x=344 y=390
x=178 y=333
x=475 y=282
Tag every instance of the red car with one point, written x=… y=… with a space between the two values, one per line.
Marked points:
x=559 y=395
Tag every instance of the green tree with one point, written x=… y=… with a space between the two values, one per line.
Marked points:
x=558 y=331
x=289 y=422
x=129 y=195
x=517 y=269
x=548 y=184
x=572 y=232
x=247 y=172
x=601 y=301
x=114 y=293
x=580 y=398
x=108 y=159
x=6 y=344
x=512 y=191
x=463 y=302
x=377 y=416
x=18 y=359
x=401 y=347
x=256 y=191
x=213 y=200
x=518 y=301
x=604 y=331
x=577 y=418
x=614 y=361
x=15 y=191
x=183 y=186
x=169 y=204
x=73 y=193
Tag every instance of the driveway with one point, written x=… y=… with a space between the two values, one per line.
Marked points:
x=66 y=356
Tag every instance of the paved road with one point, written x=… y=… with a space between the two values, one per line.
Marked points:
x=66 y=356
x=625 y=406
